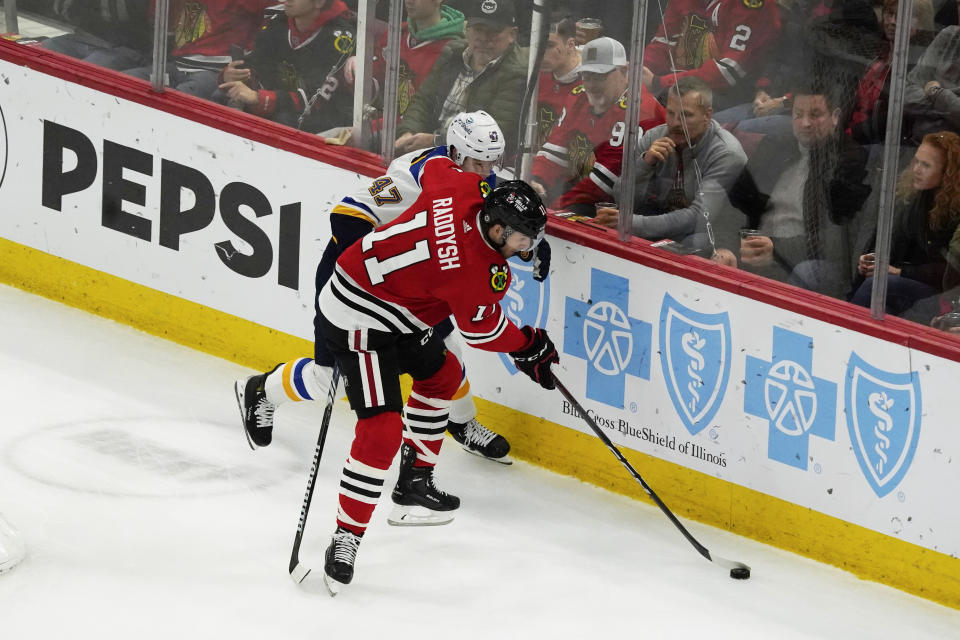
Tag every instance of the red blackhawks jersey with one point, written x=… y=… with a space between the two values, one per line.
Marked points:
x=429 y=263
x=204 y=31
x=602 y=183
x=719 y=41
x=566 y=153
x=552 y=96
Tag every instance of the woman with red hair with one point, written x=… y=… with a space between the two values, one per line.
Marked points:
x=926 y=218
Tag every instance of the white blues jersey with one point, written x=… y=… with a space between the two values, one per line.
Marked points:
x=388 y=196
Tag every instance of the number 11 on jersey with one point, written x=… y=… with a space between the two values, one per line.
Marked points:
x=376 y=268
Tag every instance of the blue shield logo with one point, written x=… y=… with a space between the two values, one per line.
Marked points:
x=883 y=417
x=525 y=302
x=695 y=357
x=601 y=332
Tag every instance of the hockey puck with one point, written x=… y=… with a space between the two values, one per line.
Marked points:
x=740 y=573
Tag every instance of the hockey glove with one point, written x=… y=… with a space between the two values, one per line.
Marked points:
x=541 y=260
x=535 y=359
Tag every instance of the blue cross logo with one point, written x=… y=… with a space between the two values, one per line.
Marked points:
x=796 y=403
x=600 y=332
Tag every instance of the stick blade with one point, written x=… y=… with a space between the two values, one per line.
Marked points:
x=308 y=580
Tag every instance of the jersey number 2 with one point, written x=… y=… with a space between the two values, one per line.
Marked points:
x=740 y=36
x=377 y=268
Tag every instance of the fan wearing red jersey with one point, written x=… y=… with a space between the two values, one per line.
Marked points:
x=445 y=255
x=722 y=42
x=558 y=77
x=595 y=113
x=599 y=186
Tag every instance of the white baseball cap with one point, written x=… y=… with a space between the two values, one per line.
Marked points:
x=602 y=55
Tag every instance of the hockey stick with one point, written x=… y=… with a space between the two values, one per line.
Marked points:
x=737 y=569
x=299 y=572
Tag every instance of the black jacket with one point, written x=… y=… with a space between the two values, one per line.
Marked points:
x=306 y=81
x=919 y=251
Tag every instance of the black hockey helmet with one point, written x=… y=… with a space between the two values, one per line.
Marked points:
x=516 y=206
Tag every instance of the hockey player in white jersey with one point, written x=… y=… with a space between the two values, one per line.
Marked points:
x=475 y=142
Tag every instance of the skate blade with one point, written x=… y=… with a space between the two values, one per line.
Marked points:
x=416 y=516
x=504 y=460
x=240 y=389
x=333 y=587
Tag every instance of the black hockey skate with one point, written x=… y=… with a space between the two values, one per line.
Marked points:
x=255 y=411
x=477 y=439
x=339 y=560
x=416 y=499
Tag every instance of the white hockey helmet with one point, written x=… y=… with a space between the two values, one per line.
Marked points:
x=474 y=135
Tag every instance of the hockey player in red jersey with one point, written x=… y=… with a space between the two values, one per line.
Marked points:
x=722 y=42
x=446 y=255
x=475 y=143
x=595 y=113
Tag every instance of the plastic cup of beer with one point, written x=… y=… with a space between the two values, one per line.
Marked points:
x=588 y=29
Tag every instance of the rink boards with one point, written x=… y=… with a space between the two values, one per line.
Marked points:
x=809 y=427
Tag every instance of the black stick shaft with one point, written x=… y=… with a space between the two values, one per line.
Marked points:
x=315 y=465
x=653 y=496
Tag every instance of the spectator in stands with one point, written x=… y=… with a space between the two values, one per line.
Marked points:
x=723 y=44
x=487 y=72
x=595 y=112
x=558 y=76
x=685 y=168
x=203 y=33
x=802 y=192
x=840 y=46
x=927 y=217
x=932 y=98
x=769 y=111
x=429 y=27
x=115 y=34
x=294 y=75
x=868 y=122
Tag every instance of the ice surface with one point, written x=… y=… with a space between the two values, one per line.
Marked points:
x=123 y=463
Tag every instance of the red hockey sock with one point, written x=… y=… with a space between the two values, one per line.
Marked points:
x=375 y=444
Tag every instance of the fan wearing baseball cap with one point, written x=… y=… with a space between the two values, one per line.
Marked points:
x=596 y=111
x=487 y=72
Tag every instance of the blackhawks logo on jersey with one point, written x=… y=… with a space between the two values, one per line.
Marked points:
x=191 y=24
x=545 y=124
x=287 y=76
x=405 y=89
x=580 y=149
x=696 y=43
x=499 y=277
x=343 y=41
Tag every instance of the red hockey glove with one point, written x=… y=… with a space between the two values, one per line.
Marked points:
x=535 y=359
